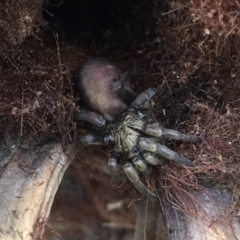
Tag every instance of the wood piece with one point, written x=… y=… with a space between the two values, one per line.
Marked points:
x=29 y=180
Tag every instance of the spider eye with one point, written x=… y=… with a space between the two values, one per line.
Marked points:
x=135 y=149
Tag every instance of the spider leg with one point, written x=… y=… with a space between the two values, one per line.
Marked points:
x=155 y=129
x=141 y=165
x=113 y=166
x=151 y=146
x=126 y=77
x=135 y=180
x=143 y=99
x=96 y=139
x=90 y=117
x=152 y=159
x=123 y=87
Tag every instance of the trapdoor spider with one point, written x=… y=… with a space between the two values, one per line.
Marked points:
x=124 y=118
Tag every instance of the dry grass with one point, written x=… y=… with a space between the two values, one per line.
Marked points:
x=36 y=91
x=19 y=19
x=220 y=16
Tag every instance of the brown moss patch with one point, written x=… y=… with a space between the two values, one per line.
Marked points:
x=220 y=16
x=20 y=19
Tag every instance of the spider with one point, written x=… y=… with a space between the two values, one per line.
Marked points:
x=124 y=119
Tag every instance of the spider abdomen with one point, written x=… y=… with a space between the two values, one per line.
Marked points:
x=95 y=85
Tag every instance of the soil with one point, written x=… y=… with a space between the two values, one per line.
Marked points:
x=193 y=61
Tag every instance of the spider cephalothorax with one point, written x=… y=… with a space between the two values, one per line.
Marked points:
x=137 y=139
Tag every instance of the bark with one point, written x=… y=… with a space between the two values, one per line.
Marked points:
x=209 y=217
x=149 y=224
x=29 y=179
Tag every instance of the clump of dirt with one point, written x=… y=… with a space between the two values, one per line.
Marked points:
x=20 y=19
x=36 y=91
x=218 y=16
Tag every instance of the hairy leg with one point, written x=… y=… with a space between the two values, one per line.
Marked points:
x=96 y=139
x=154 y=147
x=135 y=180
x=91 y=117
x=113 y=161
